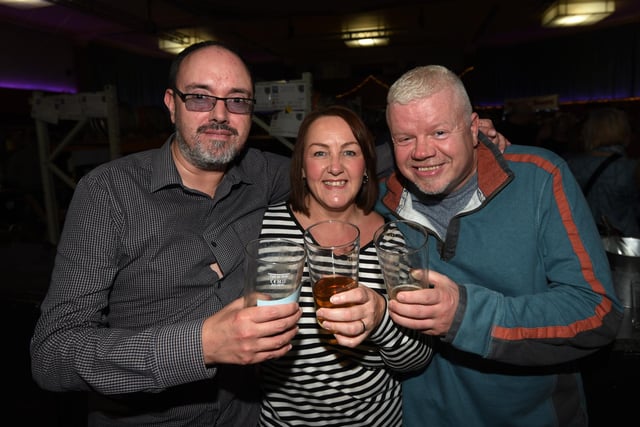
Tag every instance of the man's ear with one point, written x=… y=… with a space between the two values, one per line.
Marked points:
x=170 y=103
x=475 y=127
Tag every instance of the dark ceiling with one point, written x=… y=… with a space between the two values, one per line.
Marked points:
x=306 y=34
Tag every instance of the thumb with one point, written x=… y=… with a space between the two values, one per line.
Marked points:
x=420 y=275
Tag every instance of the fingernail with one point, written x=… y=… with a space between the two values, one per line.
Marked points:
x=416 y=274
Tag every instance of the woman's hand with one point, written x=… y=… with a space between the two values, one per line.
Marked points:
x=360 y=311
x=486 y=127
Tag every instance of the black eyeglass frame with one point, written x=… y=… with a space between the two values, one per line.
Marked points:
x=238 y=101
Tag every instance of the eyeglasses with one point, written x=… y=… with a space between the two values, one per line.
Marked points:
x=202 y=103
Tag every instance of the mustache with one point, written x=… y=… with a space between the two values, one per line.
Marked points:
x=218 y=126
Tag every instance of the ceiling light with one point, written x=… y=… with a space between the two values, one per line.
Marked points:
x=175 y=41
x=367 y=38
x=25 y=4
x=565 y=13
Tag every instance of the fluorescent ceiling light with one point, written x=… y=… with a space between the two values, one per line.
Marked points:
x=175 y=41
x=366 y=38
x=564 y=13
x=25 y=4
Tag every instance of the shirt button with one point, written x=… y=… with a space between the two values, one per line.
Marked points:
x=214 y=244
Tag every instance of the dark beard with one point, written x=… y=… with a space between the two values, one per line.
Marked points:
x=199 y=157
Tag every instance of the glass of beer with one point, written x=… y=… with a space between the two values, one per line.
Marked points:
x=332 y=259
x=402 y=246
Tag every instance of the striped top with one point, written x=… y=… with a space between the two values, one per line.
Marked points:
x=321 y=383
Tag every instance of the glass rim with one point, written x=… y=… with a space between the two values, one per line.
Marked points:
x=290 y=248
x=413 y=224
x=313 y=241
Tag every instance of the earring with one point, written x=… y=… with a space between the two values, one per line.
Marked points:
x=365 y=178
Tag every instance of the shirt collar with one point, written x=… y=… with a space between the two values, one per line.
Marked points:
x=164 y=172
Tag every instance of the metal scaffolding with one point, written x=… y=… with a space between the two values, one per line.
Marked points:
x=49 y=110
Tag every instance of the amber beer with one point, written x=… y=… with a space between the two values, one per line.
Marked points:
x=332 y=247
x=329 y=285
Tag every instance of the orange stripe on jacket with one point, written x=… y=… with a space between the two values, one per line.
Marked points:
x=562 y=331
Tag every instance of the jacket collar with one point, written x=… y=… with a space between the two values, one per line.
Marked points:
x=493 y=174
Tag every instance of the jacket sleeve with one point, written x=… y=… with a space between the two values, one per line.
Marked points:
x=540 y=292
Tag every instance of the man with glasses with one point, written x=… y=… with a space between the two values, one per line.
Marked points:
x=144 y=309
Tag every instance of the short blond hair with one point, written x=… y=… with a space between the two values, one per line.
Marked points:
x=424 y=81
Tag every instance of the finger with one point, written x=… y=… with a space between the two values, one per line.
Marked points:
x=422 y=275
x=486 y=126
x=277 y=327
x=276 y=343
x=268 y=313
x=342 y=313
x=411 y=322
x=275 y=354
x=490 y=132
x=352 y=296
x=350 y=342
x=408 y=309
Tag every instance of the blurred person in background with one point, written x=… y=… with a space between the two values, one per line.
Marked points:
x=609 y=178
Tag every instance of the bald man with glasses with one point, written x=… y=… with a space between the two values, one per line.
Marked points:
x=144 y=310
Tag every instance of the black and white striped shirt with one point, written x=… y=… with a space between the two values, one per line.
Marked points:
x=321 y=383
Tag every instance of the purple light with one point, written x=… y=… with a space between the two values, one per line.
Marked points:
x=44 y=86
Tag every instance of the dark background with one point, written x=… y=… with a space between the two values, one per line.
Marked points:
x=79 y=46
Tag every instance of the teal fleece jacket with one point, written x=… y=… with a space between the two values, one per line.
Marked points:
x=536 y=295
